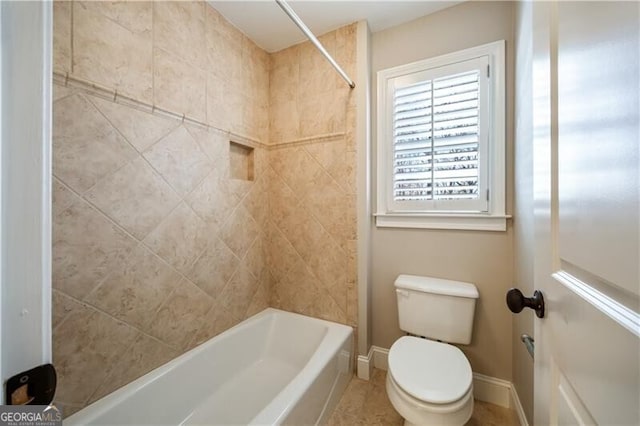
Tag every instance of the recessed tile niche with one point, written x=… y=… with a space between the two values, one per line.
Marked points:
x=241 y=161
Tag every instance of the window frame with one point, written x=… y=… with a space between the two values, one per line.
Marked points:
x=444 y=215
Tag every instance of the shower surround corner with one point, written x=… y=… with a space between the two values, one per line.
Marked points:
x=157 y=247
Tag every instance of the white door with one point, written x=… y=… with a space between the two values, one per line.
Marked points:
x=25 y=195
x=586 y=82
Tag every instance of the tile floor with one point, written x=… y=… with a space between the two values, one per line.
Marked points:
x=365 y=403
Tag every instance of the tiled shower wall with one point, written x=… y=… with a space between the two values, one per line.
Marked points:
x=312 y=167
x=156 y=246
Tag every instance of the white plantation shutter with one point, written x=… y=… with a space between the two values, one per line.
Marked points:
x=439 y=138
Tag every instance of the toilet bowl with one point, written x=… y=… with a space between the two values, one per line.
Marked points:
x=429 y=383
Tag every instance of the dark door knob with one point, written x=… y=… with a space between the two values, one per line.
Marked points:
x=517 y=302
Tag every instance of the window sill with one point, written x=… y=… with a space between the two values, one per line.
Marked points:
x=470 y=222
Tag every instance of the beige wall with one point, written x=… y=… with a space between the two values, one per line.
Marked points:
x=156 y=248
x=312 y=180
x=484 y=258
x=523 y=224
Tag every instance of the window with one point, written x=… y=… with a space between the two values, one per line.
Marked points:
x=441 y=142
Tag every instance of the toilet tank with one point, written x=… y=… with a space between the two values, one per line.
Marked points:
x=436 y=308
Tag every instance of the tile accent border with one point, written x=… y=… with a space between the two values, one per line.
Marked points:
x=329 y=137
x=91 y=88
x=485 y=388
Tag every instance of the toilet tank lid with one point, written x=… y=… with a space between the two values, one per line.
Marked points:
x=437 y=286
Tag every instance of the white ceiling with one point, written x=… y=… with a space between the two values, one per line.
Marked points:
x=268 y=26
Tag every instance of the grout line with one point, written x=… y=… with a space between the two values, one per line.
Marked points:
x=95 y=308
x=299 y=205
x=110 y=371
x=94 y=89
x=139 y=243
x=88 y=87
x=183 y=199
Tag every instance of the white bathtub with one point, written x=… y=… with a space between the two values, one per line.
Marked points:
x=274 y=368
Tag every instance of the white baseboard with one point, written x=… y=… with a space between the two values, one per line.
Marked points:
x=493 y=390
x=376 y=358
x=365 y=365
x=485 y=388
x=380 y=358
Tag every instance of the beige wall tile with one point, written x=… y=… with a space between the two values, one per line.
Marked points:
x=67 y=409
x=260 y=300
x=284 y=121
x=325 y=307
x=62 y=305
x=84 y=346
x=178 y=27
x=213 y=270
x=110 y=54
x=178 y=86
x=298 y=169
x=237 y=295
x=331 y=267
x=60 y=92
x=305 y=290
x=254 y=260
x=141 y=129
x=352 y=304
x=62 y=197
x=136 y=288
x=217 y=320
x=302 y=230
x=237 y=103
x=224 y=47
x=283 y=80
x=330 y=118
x=333 y=159
x=213 y=200
x=217 y=108
x=62 y=36
x=239 y=231
x=329 y=205
x=181 y=315
x=352 y=261
x=135 y=197
x=214 y=143
x=179 y=159
x=86 y=147
x=136 y=16
x=86 y=247
x=256 y=202
x=282 y=200
x=143 y=356
x=180 y=239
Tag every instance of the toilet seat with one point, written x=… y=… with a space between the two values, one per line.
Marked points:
x=432 y=372
x=416 y=412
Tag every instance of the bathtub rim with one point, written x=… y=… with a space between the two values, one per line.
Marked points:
x=336 y=332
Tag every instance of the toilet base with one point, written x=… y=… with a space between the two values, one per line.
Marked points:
x=416 y=412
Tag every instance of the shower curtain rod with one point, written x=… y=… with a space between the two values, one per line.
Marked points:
x=296 y=20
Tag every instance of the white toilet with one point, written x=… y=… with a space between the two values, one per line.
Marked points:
x=430 y=382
